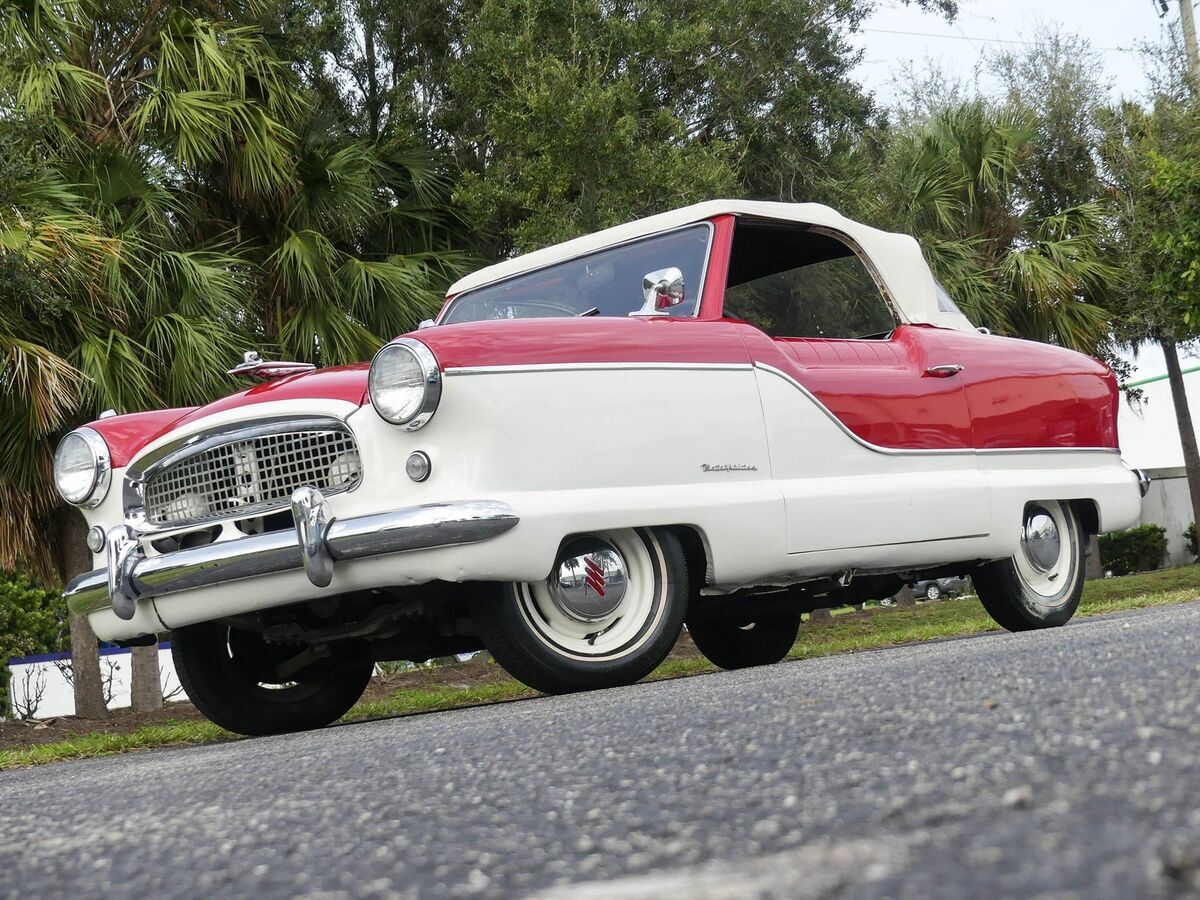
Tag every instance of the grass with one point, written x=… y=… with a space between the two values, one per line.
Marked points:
x=842 y=634
x=102 y=743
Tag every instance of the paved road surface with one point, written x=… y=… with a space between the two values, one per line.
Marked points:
x=1062 y=763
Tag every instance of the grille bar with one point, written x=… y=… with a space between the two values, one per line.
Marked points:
x=250 y=475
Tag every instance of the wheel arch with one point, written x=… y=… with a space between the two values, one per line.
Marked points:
x=698 y=552
x=1089 y=514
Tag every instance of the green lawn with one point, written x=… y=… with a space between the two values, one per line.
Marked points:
x=841 y=634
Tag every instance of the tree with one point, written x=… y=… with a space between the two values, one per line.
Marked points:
x=176 y=197
x=958 y=182
x=1153 y=167
x=568 y=115
x=1058 y=84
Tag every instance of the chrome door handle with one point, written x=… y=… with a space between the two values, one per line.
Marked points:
x=944 y=371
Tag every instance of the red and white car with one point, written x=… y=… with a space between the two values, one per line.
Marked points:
x=725 y=415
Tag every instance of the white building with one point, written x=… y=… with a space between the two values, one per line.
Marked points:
x=1150 y=440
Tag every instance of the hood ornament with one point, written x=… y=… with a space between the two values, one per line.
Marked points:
x=259 y=369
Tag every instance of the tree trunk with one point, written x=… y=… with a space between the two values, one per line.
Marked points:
x=819 y=614
x=374 y=102
x=85 y=671
x=1183 y=417
x=1095 y=565
x=906 y=597
x=146 y=693
x=74 y=559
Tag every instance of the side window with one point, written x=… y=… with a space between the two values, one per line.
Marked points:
x=792 y=281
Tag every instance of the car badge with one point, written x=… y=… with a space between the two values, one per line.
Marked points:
x=593 y=576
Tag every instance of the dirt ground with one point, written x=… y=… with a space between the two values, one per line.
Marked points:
x=15 y=734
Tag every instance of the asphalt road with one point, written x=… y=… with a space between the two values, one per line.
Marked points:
x=1061 y=763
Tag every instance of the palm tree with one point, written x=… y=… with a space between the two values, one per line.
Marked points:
x=187 y=200
x=957 y=183
x=176 y=197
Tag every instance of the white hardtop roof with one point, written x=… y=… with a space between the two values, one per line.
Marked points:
x=896 y=257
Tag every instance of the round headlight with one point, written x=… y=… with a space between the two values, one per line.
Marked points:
x=405 y=383
x=82 y=468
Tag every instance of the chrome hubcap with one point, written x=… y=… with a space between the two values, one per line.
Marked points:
x=1040 y=539
x=589 y=582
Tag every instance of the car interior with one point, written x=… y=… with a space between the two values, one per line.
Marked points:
x=798 y=281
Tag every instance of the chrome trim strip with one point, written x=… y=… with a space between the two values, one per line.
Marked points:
x=412 y=528
x=955 y=537
x=598 y=367
x=902 y=451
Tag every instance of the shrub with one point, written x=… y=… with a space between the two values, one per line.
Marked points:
x=1137 y=549
x=1190 y=537
x=33 y=619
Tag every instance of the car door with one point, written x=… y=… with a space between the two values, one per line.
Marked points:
x=868 y=426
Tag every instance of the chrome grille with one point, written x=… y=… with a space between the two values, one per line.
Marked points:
x=251 y=475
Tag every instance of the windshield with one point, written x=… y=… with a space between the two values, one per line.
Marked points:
x=608 y=281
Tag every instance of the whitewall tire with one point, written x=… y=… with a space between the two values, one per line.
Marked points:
x=609 y=613
x=1041 y=585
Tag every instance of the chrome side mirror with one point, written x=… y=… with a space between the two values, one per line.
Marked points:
x=661 y=289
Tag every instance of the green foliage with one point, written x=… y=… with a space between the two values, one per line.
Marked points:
x=172 y=194
x=1138 y=549
x=1189 y=537
x=567 y=115
x=32 y=620
x=959 y=182
x=1152 y=163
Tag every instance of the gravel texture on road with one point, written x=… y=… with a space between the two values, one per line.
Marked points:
x=1063 y=762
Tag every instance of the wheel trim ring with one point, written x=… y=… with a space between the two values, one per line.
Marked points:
x=646 y=567
x=1053 y=584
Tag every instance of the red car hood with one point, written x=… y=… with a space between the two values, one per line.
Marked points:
x=126 y=435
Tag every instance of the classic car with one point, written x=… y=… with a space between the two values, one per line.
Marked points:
x=727 y=414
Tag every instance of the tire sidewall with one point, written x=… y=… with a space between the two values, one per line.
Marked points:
x=1014 y=605
x=1057 y=609
x=216 y=686
x=531 y=658
x=726 y=644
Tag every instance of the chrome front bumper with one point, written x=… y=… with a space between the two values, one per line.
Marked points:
x=315 y=544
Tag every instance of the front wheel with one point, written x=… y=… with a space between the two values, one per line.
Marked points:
x=246 y=685
x=609 y=613
x=738 y=644
x=1041 y=585
x=933 y=592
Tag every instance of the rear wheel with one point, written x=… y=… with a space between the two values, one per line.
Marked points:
x=1041 y=585
x=246 y=685
x=608 y=614
x=740 y=643
x=933 y=592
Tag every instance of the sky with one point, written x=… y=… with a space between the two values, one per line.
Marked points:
x=1114 y=28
